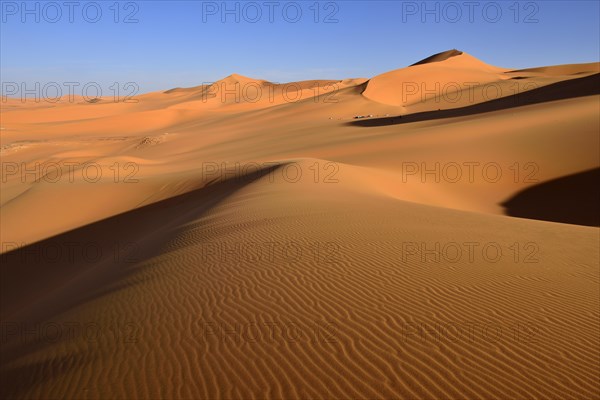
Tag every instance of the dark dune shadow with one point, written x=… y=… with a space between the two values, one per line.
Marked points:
x=14 y=380
x=572 y=199
x=36 y=285
x=572 y=88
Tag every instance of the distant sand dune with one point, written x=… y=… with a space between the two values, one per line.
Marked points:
x=567 y=69
x=444 y=72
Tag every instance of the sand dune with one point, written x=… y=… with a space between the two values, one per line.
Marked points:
x=372 y=303
x=561 y=70
x=441 y=75
x=207 y=243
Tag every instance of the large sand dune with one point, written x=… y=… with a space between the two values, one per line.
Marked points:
x=224 y=245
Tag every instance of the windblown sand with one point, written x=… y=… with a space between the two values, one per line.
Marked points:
x=195 y=244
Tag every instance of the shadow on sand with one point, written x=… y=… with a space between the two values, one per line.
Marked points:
x=579 y=87
x=42 y=280
x=572 y=199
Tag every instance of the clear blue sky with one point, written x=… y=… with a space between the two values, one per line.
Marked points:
x=186 y=43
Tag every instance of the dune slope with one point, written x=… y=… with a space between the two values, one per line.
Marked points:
x=301 y=297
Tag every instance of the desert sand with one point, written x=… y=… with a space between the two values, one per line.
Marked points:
x=250 y=239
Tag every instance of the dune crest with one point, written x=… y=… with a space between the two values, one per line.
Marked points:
x=443 y=56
